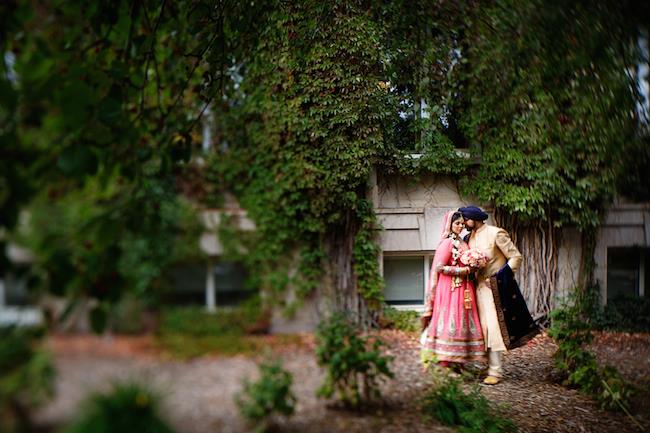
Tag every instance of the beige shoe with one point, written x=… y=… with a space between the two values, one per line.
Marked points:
x=491 y=380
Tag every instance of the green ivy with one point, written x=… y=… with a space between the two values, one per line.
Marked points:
x=366 y=257
x=553 y=111
x=307 y=97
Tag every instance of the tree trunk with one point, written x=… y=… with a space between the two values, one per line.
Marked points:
x=340 y=280
x=539 y=244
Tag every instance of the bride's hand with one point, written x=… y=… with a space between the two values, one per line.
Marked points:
x=424 y=321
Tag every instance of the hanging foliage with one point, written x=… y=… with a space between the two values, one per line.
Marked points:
x=305 y=98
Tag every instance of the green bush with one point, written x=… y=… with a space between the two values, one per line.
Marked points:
x=250 y=317
x=192 y=331
x=579 y=367
x=626 y=314
x=127 y=408
x=109 y=240
x=470 y=412
x=623 y=313
x=126 y=316
x=354 y=364
x=392 y=318
x=270 y=396
x=26 y=376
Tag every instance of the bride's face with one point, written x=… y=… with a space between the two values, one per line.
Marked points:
x=457 y=226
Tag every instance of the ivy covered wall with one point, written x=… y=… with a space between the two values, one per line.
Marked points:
x=307 y=97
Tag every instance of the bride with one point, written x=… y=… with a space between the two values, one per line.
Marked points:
x=452 y=332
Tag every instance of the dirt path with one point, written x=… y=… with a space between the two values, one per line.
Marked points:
x=198 y=394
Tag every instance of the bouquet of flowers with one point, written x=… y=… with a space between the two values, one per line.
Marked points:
x=473 y=258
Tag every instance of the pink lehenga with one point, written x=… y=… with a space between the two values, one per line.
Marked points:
x=454 y=332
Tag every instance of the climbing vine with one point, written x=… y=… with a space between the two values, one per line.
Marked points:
x=554 y=114
x=306 y=98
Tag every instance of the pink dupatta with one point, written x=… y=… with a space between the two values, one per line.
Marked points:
x=433 y=275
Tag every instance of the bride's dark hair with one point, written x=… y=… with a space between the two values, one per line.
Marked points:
x=454 y=217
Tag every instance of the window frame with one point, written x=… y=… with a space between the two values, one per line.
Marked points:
x=427 y=259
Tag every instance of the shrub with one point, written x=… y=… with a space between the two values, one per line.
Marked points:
x=470 y=412
x=579 y=367
x=392 y=318
x=626 y=314
x=354 y=364
x=127 y=316
x=623 y=313
x=261 y=401
x=127 y=408
x=26 y=376
x=250 y=317
x=192 y=331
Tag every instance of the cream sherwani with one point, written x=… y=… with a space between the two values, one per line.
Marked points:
x=496 y=244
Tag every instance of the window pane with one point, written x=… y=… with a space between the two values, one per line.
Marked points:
x=230 y=282
x=16 y=292
x=188 y=284
x=622 y=272
x=404 y=278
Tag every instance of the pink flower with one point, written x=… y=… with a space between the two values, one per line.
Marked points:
x=473 y=258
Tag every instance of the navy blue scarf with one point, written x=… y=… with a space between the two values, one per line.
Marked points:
x=517 y=325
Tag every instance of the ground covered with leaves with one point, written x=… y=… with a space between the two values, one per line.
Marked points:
x=198 y=393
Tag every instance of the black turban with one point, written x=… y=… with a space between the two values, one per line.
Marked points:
x=473 y=213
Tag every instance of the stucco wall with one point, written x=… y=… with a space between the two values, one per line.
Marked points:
x=411 y=213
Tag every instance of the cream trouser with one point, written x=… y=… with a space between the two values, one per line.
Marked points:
x=490 y=326
x=494 y=363
x=487 y=313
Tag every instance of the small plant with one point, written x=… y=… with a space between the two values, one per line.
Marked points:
x=407 y=321
x=261 y=401
x=470 y=412
x=580 y=367
x=355 y=365
x=127 y=408
x=26 y=376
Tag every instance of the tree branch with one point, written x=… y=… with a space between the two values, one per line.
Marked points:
x=151 y=53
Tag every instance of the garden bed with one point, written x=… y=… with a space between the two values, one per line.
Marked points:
x=198 y=392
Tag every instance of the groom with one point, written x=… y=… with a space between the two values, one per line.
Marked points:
x=504 y=316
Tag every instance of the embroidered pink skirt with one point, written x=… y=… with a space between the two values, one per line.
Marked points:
x=454 y=333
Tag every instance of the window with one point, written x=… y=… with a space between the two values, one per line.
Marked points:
x=405 y=278
x=14 y=290
x=627 y=271
x=230 y=283
x=16 y=300
x=189 y=283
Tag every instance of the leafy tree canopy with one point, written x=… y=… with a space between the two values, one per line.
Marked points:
x=307 y=97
